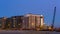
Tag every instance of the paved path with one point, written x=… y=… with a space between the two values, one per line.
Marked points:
x=28 y=32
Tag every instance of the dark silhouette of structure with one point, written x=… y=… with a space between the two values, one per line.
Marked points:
x=53 y=21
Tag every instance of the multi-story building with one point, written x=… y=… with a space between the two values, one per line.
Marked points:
x=17 y=22
x=28 y=21
x=0 y=23
x=14 y=22
x=3 y=21
x=8 y=23
x=33 y=20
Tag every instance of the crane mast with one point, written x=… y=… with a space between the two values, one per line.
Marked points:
x=54 y=14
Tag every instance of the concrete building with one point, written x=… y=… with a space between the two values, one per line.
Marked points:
x=28 y=21
x=3 y=20
x=33 y=21
x=17 y=22
x=0 y=23
x=8 y=23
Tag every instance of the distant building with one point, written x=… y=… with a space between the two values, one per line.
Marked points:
x=28 y=21
x=17 y=21
x=0 y=23
x=3 y=22
x=33 y=20
x=8 y=23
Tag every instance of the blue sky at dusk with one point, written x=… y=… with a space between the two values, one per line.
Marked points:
x=20 y=7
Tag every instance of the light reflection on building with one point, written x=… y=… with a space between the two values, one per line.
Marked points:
x=33 y=20
x=28 y=21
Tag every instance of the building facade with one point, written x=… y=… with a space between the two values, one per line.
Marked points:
x=28 y=21
x=4 y=22
x=17 y=22
x=8 y=23
x=14 y=22
x=0 y=23
x=33 y=21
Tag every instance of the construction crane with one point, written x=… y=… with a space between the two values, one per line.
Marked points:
x=53 y=21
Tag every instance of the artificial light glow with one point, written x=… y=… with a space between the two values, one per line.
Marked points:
x=33 y=24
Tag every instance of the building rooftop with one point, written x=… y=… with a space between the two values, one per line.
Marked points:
x=30 y=14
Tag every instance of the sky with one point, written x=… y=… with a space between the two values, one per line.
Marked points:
x=20 y=7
